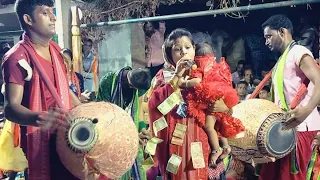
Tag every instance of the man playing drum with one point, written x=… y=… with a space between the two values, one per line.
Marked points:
x=30 y=69
x=293 y=67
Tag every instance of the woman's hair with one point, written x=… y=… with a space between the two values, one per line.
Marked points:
x=67 y=51
x=140 y=78
x=203 y=49
x=173 y=36
x=155 y=25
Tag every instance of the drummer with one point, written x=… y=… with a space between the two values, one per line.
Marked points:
x=28 y=100
x=295 y=64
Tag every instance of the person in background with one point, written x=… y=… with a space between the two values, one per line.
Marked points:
x=248 y=77
x=131 y=84
x=154 y=34
x=5 y=47
x=242 y=90
x=90 y=67
x=75 y=79
x=265 y=70
x=308 y=36
x=237 y=75
x=264 y=93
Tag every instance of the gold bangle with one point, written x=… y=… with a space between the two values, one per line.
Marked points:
x=173 y=85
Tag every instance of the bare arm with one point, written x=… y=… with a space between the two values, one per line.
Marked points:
x=74 y=99
x=14 y=111
x=312 y=72
x=189 y=83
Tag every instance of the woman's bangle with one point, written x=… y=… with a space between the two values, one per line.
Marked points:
x=173 y=85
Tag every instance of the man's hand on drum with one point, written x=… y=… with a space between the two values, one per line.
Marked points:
x=297 y=116
x=218 y=106
x=144 y=136
x=52 y=119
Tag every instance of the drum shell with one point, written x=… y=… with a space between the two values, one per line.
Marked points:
x=116 y=148
x=253 y=114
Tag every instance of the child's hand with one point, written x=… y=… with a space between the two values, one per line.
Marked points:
x=182 y=82
x=218 y=106
x=144 y=136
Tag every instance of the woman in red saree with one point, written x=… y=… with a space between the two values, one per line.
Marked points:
x=178 y=51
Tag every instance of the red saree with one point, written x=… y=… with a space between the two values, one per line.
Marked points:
x=165 y=149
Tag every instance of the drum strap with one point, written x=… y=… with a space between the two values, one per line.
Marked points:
x=296 y=100
x=278 y=76
x=312 y=164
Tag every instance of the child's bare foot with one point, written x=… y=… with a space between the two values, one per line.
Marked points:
x=213 y=157
x=226 y=151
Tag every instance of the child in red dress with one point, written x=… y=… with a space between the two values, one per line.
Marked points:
x=209 y=82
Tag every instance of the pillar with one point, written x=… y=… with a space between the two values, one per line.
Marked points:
x=63 y=26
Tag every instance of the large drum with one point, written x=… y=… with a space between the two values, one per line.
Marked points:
x=101 y=138
x=264 y=138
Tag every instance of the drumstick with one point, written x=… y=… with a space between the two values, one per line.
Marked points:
x=296 y=100
x=261 y=85
x=302 y=90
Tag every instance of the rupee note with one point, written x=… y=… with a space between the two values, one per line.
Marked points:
x=151 y=146
x=180 y=130
x=148 y=163
x=167 y=105
x=156 y=140
x=197 y=155
x=176 y=141
x=173 y=164
x=181 y=127
x=159 y=125
x=178 y=133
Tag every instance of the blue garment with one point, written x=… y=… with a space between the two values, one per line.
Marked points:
x=74 y=87
x=87 y=62
x=81 y=81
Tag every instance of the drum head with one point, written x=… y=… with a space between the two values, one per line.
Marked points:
x=82 y=135
x=272 y=140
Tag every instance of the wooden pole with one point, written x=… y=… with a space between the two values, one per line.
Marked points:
x=76 y=41
x=203 y=13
